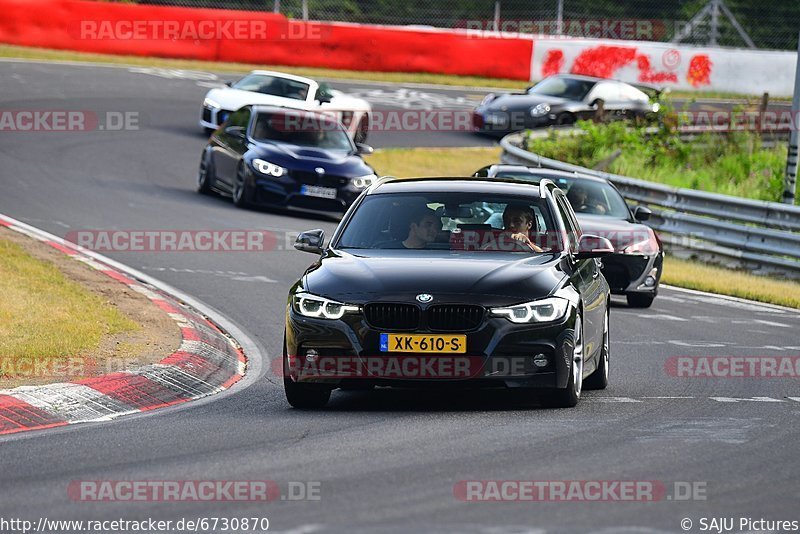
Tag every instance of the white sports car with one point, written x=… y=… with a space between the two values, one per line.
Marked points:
x=287 y=90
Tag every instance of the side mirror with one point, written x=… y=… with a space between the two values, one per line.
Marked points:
x=310 y=241
x=364 y=150
x=324 y=99
x=235 y=131
x=229 y=84
x=642 y=213
x=593 y=246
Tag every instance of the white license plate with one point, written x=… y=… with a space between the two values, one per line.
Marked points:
x=317 y=191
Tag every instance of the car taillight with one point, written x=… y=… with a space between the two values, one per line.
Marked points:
x=643 y=244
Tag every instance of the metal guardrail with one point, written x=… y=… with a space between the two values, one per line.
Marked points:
x=757 y=235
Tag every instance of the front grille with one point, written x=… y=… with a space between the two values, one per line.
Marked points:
x=312 y=178
x=454 y=317
x=391 y=316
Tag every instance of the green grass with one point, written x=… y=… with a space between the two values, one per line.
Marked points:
x=21 y=52
x=736 y=164
x=45 y=315
x=703 y=277
x=411 y=162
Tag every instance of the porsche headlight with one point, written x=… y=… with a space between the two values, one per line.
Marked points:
x=538 y=311
x=540 y=110
x=488 y=98
x=269 y=169
x=208 y=103
x=310 y=305
x=362 y=182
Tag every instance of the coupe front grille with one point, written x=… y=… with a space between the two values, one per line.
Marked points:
x=454 y=317
x=390 y=316
x=312 y=178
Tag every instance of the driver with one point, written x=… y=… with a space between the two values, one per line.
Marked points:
x=518 y=220
x=423 y=228
x=582 y=202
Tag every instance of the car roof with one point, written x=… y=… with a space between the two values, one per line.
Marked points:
x=284 y=75
x=455 y=184
x=286 y=109
x=587 y=78
x=551 y=174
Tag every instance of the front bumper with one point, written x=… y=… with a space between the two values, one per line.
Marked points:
x=211 y=118
x=288 y=192
x=505 y=122
x=630 y=273
x=498 y=354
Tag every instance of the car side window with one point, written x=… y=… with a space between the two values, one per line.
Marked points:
x=240 y=118
x=570 y=223
x=607 y=92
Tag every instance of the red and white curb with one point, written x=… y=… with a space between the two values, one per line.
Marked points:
x=208 y=360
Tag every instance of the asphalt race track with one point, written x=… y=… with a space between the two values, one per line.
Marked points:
x=386 y=461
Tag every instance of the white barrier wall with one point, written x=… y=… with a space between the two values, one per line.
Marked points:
x=667 y=64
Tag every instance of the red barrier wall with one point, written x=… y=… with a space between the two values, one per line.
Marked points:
x=63 y=24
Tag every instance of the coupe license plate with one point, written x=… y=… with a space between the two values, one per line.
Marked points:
x=451 y=344
x=317 y=191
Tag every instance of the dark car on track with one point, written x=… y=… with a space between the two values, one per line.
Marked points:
x=416 y=288
x=562 y=100
x=634 y=270
x=281 y=157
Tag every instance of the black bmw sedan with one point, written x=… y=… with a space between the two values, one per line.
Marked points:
x=416 y=287
x=281 y=157
x=562 y=100
x=634 y=270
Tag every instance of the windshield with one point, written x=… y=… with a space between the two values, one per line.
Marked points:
x=586 y=196
x=303 y=129
x=568 y=88
x=273 y=85
x=465 y=222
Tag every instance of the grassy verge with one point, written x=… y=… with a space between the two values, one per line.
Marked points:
x=735 y=164
x=703 y=277
x=45 y=315
x=21 y=52
x=409 y=162
x=406 y=162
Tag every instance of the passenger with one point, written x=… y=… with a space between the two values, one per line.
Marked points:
x=518 y=220
x=423 y=228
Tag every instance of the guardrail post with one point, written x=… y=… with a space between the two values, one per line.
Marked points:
x=790 y=183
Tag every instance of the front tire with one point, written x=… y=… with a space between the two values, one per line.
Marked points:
x=640 y=300
x=565 y=119
x=302 y=396
x=569 y=396
x=241 y=190
x=306 y=396
x=206 y=175
x=599 y=378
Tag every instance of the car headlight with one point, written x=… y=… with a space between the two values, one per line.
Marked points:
x=310 y=305
x=540 y=110
x=488 y=98
x=538 y=311
x=362 y=182
x=644 y=244
x=656 y=107
x=269 y=169
x=208 y=103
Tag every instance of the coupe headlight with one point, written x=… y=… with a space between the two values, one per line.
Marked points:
x=269 y=169
x=310 y=305
x=362 y=182
x=538 y=311
x=540 y=110
x=488 y=98
x=208 y=103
